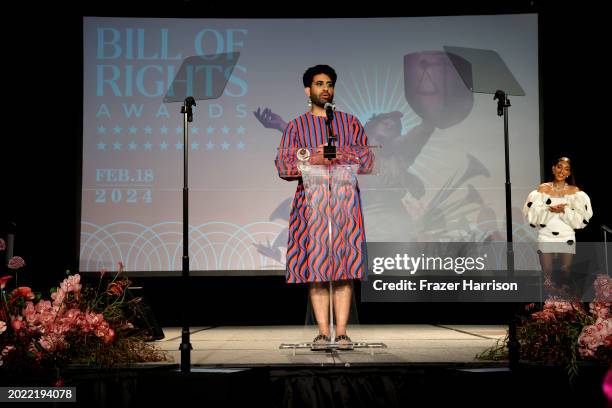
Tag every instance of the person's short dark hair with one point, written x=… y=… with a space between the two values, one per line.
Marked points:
x=316 y=70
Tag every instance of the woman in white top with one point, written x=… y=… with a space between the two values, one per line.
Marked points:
x=557 y=209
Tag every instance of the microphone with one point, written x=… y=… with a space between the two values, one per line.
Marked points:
x=329 y=110
x=329 y=150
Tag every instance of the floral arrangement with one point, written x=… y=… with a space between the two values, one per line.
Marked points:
x=78 y=324
x=595 y=340
x=564 y=331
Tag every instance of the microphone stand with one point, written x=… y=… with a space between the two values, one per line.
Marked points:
x=329 y=152
x=513 y=345
x=185 y=347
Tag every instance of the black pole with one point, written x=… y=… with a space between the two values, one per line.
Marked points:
x=513 y=347
x=185 y=347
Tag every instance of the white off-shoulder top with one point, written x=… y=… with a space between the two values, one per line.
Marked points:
x=556 y=230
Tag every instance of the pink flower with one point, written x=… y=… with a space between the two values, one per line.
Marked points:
x=16 y=262
x=3 y=280
x=600 y=309
x=603 y=288
x=594 y=336
x=17 y=324
x=71 y=284
x=23 y=291
x=2 y=245
x=2 y=326
x=29 y=312
x=545 y=315
x=109 y=336
x=46 y=344
x=5 y=351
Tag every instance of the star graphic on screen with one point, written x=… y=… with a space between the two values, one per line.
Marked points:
x=163 y=130
x=101 y=130
x=117 y=129
x=179 y=146
x=101 y=146
x=225 y=146
x=148 y=146
x=179 y=130
x=132 y=145
x=132 y=129
x=195 y=130
x=148 y=130
x=195 y=145
x=117 y=146
x=240 y=145
x=210 y=145
x=240 y=130
x=163 y=145
x=225 y=129
x=210 y=129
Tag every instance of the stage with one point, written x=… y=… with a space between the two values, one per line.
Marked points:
x=422 y=365
x=259 y=345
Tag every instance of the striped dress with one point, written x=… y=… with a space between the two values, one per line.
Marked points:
x=310 y=257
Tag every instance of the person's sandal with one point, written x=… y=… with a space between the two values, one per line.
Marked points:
x=344 y=342
x=321 y=342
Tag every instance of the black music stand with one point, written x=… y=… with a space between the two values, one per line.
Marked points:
x=484 y=71
x=201 y=77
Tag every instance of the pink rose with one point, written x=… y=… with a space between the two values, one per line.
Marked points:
x=16 y=262
x=2 y=326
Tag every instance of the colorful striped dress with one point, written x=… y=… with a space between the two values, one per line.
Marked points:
x=310 y=257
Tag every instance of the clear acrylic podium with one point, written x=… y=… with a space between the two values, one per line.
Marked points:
x=330 y=186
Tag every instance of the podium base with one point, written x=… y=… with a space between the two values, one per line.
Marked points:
x=334 y=347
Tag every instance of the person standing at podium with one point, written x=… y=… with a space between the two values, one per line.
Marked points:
x=311 y=258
